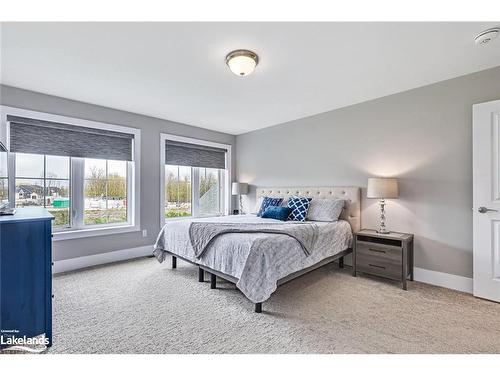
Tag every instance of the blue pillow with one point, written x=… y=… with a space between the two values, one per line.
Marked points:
x=278 y=213
x=268 y=202
x=299 y=206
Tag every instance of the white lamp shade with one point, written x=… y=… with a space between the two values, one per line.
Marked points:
x=239 y=188
x=382 y=188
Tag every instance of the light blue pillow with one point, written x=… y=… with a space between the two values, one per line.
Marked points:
x=299 y=206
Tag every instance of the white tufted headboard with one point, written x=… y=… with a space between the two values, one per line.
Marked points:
x=352 y=195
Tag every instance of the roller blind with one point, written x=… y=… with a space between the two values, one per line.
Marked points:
x=34 y=136
x=191 y=155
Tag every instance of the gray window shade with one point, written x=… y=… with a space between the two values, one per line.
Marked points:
x=34 y=136
x=191 y=155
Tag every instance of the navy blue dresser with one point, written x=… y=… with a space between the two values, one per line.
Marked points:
x=26 y=274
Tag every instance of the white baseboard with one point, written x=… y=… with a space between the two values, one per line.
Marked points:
x=446 y=280
x=94 y=260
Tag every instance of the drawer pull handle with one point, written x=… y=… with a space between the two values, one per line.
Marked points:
x=377 y=250
x=374 y=265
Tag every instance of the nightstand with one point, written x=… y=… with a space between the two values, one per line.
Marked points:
x=387 y=255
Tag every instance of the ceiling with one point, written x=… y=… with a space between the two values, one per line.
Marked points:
x=176 y=71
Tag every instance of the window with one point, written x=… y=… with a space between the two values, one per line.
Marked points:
x=4 y=181
x=84 y=173
x=43 y=180
x=178 y=191
x=105 y=191
x=210 y=191
x=195 y=178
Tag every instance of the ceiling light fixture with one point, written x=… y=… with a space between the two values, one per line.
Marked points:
x=242 y=62
x=487 y=36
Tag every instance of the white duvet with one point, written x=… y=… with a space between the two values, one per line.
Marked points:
x=239 y=254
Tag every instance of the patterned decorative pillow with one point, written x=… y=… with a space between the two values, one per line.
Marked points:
x=268 y=202
x=299 y=206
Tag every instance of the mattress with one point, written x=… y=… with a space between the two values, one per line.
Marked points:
x=240 y=256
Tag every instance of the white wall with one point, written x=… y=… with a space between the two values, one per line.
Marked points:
x=422 y=136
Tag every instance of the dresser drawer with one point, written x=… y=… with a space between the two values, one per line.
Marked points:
x=379 y=252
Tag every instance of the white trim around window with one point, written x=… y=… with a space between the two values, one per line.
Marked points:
x=227 y=180
x=133 y=171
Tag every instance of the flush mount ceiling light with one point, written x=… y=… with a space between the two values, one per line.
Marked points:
x=487 y=36
x=242 y=62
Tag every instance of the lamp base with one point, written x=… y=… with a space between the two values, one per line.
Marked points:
x=240 y=204
x=382 y=229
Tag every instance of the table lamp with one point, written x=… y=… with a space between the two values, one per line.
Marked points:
x=382 y=189
x=239 y=189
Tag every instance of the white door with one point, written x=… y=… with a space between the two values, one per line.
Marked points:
x=486 y=199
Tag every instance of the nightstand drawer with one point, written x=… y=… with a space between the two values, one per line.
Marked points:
x=379 y=267
x=378 y=252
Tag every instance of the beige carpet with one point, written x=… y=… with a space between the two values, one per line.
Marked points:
x=141 y=306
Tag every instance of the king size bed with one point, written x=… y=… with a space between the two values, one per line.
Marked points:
x=259 y=254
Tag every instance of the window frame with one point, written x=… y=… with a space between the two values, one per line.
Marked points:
x=77 y=174
x=226 y=184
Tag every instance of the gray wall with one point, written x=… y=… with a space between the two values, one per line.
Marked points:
x=150 y=163
x=422 y=136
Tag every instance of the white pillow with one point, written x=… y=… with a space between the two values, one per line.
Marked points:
x=257 y=206
x=325 y=209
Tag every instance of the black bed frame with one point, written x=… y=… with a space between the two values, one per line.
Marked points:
x=284 y=280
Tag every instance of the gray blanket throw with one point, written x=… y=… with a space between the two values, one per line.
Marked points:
x=202 y=234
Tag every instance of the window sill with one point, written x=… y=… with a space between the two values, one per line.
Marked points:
x=94 y=232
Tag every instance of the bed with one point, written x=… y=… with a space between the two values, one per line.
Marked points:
x=259 y=262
